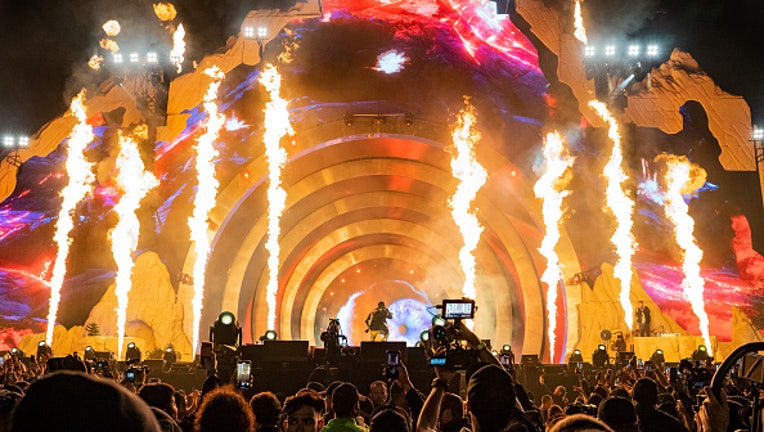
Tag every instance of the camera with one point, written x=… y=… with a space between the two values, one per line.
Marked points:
x=136 y=373
x=446 y=337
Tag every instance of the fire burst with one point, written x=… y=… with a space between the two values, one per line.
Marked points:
x=677 y=177
x=622 y=208
x=471 y=176
x=550 y=187
x=178 y=48
x=580 y=30
x=80 y=183
x=206 y=192
x=276 y=127
x=135 y=183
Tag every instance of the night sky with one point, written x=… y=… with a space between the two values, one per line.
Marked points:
x=46 y=44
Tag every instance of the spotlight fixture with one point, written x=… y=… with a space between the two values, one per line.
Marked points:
x=590 y=51
x=633 y=50
x=758 y=134
x=249 y=33
x=269 y=335
x=701 y=354
x=44 y=349
x=133 y=353
x=506 y=356
x=226 y=330
x=652 y=50
x=424 y=336
x=134 y=57
x=438 y=320
x=152 y=58
x=657 y=358
x=576 y=356
x=600 y=357
x=117 y=58
x=89 y=353
x=610 y=50
x=262 y=32
x=15 y=352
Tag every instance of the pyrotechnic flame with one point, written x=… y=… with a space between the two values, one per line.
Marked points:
x=390 y=62
x=81 y=179
x=551 y=188
x=578 y=22
x=471 y=176
x=112 y=28
x=276 y=127
x=165 y=11
x=206 y=193
x=110 y=45
x=95 y=62
x=135 y=182
x=622 y=207
x=178 y=48
x=677 y=211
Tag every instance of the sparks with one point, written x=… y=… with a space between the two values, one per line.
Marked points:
x=81 y=179
x=677 y=211
x=165 y=11
x=551 y=188
x=578 y=22
x=276 y=127
x=178 y=48
x=622 y=208
x=471 y=176
x=390 y=62
x=206 y=193
x=135 y=182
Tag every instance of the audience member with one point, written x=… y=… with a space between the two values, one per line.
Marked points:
x=303 y=412
x=645 y=395
x=345 y=405
x=266 y=408
x=619 y=414
x=223 y=409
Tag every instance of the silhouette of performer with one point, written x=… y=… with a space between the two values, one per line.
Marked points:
x=643 y=320
x=377 y=322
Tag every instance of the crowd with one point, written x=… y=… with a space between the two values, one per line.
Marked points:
x=623 y=399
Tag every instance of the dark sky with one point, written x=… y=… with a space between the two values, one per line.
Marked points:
x=44 y=44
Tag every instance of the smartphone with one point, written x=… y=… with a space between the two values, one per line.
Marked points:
x=579 y=367
x=393 y=358
x=2 y=361
x=243 y=371
x=130 y=376
x=640 y=364
x=505 y=360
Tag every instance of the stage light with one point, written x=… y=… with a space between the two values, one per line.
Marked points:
x=701 y=354
x=424 y=336
x=506 y=348
x=117 y=58
x=8 y=141
x=576 y=356
x=262 y=32
x=133 y=354
x=590 y=51
x=134 y=57
x=657 y=358
x=152 y=58
x=22 y=142
x=758 y=134
x=652 y=50
x=270 y=335
x=89 y=353
x=43 y=349
x=633 y=50
x=226 y=330
x=600 y=357
x=610 y=50
x=438 y=320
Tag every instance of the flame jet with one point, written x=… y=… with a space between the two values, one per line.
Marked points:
x=81 y=178
x=677 y=211
x=135 y=182
x=206 y=193
x=277 y=126
x=622 y=208
x=178 y=48
x=471 y=176
x=551 y=188
x=578 y=22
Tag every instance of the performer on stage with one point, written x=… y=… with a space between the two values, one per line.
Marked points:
x=643 y=320
x=377 y=322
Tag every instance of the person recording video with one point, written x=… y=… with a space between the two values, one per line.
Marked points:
x=376 y=322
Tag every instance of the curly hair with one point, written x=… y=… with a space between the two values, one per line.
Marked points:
x=224 y=409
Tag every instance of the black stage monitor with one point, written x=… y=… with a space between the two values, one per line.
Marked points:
x=285 y=351
x=376 y=352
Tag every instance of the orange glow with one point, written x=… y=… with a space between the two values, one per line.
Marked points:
x=206 y=193
x=165 y=11
x=277 y=126
x=80 y=184
x=178 y=48
x=551 y=188
x=112 y=28
x=135 y=182
x=471 y=177
x=578 y=22
x=622 y=207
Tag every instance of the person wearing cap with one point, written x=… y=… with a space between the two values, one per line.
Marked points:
x=345 y=405
x=376 y=322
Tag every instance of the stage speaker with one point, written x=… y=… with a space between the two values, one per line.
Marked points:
x=155 y=366
x=529 y=359
x=416 y=359
x=251 y=352
x=285 y=351
x=376 y=352
x=555 y=369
